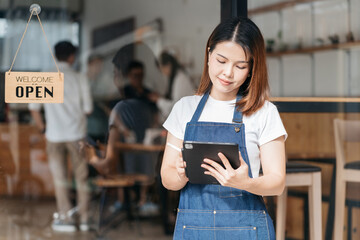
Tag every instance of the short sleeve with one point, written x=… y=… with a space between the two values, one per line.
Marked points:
x=272 y=126
x=174 y=122
x=112 y=117
x=114 y=120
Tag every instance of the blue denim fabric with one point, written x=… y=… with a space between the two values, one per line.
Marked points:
x=215 y=211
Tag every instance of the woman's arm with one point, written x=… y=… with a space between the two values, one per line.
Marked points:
x=273 y=161
x=173 y=167
x=103 y=165
x=272 y=182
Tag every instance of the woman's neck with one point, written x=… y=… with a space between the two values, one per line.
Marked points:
x=222 y=96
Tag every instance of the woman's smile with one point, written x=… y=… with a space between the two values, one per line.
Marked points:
x=224 y=82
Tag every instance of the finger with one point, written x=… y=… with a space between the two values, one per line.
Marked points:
x=214 y=172
x=242 y=162
x=179 y=155
x=180 y=164
x=225 y=161
x=219 y=178
x=180 y=160
x=215 y=165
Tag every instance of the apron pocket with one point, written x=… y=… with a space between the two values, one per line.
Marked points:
x=223 y=224
x=202 y=233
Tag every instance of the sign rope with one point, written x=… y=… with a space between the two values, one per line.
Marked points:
x=22 y=38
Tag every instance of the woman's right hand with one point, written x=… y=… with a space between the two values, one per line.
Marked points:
x=180 y=167
x=172 y=171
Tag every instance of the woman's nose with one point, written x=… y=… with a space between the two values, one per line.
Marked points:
x=228 y=70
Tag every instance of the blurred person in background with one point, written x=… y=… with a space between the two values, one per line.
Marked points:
x=135 y=88
x=128 y=122
x=179 y=83
x=64 y=129
x=97 y=121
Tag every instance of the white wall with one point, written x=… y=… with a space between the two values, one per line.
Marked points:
x=187 y=23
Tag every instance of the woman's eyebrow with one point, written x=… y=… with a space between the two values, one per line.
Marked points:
x=228 y=59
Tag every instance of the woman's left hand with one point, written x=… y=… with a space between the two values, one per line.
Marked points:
x=236 y=178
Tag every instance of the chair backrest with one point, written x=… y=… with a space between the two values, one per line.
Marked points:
x=345 y=131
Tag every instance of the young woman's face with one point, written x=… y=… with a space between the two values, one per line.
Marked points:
x=228 y=70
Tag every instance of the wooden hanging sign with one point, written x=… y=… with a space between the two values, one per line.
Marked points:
x=34 y=87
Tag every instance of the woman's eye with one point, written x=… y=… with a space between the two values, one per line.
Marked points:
x=239 y=67
x=220 y=61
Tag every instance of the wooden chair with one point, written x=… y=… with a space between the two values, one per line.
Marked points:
x=299 y=174
x=346 y=131
x=125 y=181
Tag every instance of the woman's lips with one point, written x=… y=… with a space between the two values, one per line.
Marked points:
x=224 y=82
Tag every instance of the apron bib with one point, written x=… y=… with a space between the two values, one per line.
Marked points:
x=215 y=211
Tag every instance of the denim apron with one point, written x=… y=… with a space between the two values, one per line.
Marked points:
x=214 y=211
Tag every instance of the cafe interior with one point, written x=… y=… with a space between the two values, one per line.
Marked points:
x=313 y=61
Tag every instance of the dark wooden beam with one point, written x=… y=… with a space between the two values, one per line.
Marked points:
x=233 y=8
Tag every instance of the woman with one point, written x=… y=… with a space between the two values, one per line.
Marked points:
x=179 y=83
x=128 y=122
x=231 y=105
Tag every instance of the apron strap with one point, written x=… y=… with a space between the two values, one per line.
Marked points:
x=200 y=107
x=237 y=117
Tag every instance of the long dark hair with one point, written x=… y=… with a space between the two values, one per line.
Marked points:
x=243 y=31
x=165 y=59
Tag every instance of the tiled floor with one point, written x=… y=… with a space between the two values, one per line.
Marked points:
x=31 y=220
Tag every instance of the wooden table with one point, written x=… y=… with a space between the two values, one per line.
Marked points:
x=135 y=147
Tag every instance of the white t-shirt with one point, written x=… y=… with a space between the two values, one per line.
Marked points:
x=67 y=121
x=261 y=127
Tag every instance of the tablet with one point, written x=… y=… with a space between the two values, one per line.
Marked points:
x=194 y=153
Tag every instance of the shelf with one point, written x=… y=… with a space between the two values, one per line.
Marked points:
x=336 y=105
x=278 y=6
x=316 y=99
x=347 y=45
